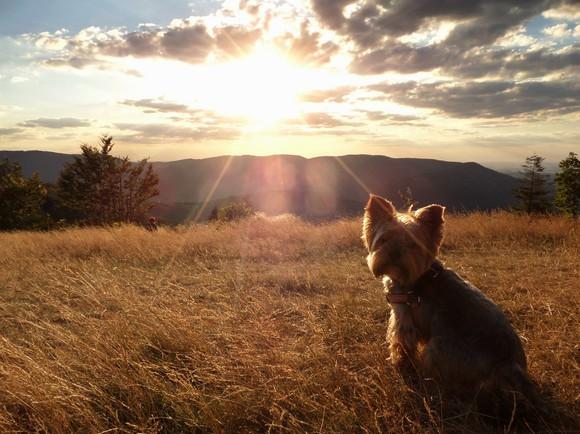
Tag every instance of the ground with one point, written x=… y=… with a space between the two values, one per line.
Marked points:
x=262 y=325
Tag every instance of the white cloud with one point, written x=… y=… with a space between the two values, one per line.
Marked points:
x=567 y=12
x=517 y=38
x=558 y=31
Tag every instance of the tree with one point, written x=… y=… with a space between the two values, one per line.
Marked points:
x=21 y=199
x=568 y=185
x=533 y=190
x=98 y=188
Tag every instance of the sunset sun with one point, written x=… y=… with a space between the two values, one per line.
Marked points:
x=264 y=87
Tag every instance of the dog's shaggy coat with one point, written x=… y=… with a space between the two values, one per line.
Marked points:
x=440 y=324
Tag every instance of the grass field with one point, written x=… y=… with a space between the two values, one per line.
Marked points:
x=262 y=325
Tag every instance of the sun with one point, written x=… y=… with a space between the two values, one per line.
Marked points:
x=264 y=87
x=260 y=89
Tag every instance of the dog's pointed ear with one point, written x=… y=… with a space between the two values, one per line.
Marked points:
x=377 y=210
x=431 y=217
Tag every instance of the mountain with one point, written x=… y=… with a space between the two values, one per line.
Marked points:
x=318 y=187
x=47 y=164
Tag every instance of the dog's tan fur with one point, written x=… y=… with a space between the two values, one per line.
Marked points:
x=455 y=334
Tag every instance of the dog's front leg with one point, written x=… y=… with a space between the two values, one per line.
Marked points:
x=402 y=337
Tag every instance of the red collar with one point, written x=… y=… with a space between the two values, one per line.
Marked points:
x=411 y=295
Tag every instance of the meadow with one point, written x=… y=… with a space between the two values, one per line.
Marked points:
x=264 y=325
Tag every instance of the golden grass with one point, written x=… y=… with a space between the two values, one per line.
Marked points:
x=262 y=325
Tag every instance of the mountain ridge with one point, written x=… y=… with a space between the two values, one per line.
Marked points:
x=317 y=187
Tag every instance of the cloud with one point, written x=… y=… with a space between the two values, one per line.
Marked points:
x=236 y=41
x=324 y=120
x=400 y=58
x=307 y=47
x=479 y=22
x=56 y=123
x=10 y=131
x=153 y=133
x=184 y=40
x=496 y=62
x=558 y=31
x=337 y=94
x=492 y=99
x=385 y=34
x=157 y=106
x=566 y=12
x=507 y=63
x=392 y=118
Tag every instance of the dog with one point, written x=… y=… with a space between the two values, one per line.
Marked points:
x=440 y=325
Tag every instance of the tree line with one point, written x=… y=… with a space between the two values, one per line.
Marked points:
x=533 y=192
x=96 y=188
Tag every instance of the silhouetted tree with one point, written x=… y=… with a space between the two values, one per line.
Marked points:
x=98 y=188
x=568 y=186
x=21 y=199
x=533 y=190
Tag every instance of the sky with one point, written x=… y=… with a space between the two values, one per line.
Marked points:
x=491 y=81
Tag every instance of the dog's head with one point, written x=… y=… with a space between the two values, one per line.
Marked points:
x=401 y=246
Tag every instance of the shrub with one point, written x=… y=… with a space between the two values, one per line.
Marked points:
x=235 y=211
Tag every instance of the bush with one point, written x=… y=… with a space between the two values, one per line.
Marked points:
x=235 y=211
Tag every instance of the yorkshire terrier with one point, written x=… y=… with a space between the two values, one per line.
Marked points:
x=440 y=325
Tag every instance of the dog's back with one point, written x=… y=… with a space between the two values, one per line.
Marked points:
x=469 y=337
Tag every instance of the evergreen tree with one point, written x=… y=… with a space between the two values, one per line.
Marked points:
x=98 y=188
x=21 y=199
x=568 y=185
x=533 y=190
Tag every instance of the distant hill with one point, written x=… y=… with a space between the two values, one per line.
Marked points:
x=47 y=164
x=318 y=187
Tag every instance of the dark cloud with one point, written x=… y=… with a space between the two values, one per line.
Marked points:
x=330 y=11
x=480 y=22
x=185 y=40
x=375 y=27
x=402 y=58
x=190 y=43
x=307 y=47
x=507 y=63
x=337 y=94
x=157 y=106
x=10 y=131
x=492 y=99
x=399 y=57
x=56 y=123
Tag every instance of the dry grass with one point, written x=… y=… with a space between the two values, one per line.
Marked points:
x=258 y=326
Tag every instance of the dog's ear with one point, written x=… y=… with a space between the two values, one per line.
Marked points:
x=377 y=210
x=431 y=217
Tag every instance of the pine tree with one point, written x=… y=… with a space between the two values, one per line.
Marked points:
x=21 y=199
x=568 y=186
x=533 y=190
x=98 y=188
